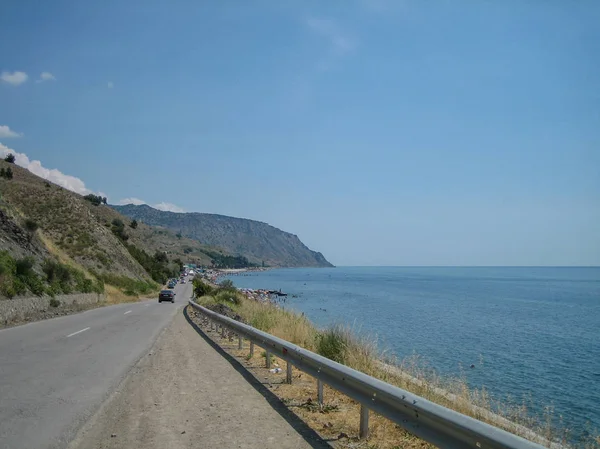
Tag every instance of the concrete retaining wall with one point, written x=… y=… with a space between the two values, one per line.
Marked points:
x=25 y=309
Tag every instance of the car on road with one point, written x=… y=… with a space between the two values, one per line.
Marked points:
x=183 y=281
x=172 y=283
x=166 y=295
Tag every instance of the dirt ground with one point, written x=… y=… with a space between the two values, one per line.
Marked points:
x=185 y=393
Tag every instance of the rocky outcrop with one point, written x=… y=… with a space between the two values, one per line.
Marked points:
x=17 y=241
x=19 y=310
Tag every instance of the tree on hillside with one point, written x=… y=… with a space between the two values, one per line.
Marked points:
x=31 y=227
x=8 y=174
x=104 y=200
x=160 y=257
x=118 y=229
x=179 y=235
x=133 y=224
x=10 y=158
x=2 y=172
x=96 y=200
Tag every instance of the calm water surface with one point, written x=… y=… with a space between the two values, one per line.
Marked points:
x=530 y=332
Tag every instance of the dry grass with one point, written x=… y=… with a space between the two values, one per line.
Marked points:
x=358 y=351
x=116 y=296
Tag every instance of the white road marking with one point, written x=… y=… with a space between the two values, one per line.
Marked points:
x=129 y=311
x=78 y=332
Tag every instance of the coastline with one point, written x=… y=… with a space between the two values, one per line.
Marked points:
x=522 y=417
x=289 y=326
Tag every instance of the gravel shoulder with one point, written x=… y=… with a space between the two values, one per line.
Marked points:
x=185 y=393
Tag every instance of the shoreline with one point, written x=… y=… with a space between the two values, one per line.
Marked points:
x=541 y=432
x=288 y=325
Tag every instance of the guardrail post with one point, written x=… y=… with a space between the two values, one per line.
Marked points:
x=268 y=359
x=251 y=349
x=222 y=331
x=364 y=422
x=320 y=391
x=240 y=343
x=212 y=325
x=288 y=374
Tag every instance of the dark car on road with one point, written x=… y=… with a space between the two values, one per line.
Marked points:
x=166 y=295
x=172 y=283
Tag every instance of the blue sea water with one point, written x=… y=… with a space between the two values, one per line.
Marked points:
x=530 y=332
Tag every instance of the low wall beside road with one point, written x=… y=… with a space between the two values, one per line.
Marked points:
x=19 y=310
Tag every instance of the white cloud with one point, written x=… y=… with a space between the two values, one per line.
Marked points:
x=71 y=183
x=339 y=41
x=46 y=76
x=135 y=201
x=110 y=85
x=6 y=132
x=168 y=207
x=14 y=78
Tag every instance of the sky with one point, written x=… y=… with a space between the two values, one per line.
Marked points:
x=381 y=132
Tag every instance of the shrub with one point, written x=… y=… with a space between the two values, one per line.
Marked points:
x=133 y=224
x=332 y=344
x=7 y=264
x=8 y=173
x=126 y=283
x=118 y=229
x=54 y=302
x=31 y=225
x=35 y=284
x=201 y=288
x=228 y=296
x=10 y=158
x=227 y=283
x=24 y=266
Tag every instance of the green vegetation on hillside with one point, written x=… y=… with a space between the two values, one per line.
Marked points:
x=219 y=260
x=19 y=277
x=157 y=266
x=96 y=200
x=129 y=286
x=6 y=173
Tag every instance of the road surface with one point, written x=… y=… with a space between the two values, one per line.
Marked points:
x=55 y=373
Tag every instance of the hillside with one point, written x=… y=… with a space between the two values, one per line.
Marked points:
x=47 y=224
x=257 y=241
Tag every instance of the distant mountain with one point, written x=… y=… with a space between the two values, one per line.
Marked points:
x=41 y=222
x=257 y=241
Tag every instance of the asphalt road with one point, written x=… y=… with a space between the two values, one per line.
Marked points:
x=55 y=373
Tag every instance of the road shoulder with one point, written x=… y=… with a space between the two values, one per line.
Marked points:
x=183 y=393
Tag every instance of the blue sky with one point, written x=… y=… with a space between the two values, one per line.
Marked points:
x=380 y=132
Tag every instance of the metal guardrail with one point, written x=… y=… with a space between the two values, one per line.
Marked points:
x=431 y=422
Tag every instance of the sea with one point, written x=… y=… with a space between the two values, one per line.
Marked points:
x=532 y=333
